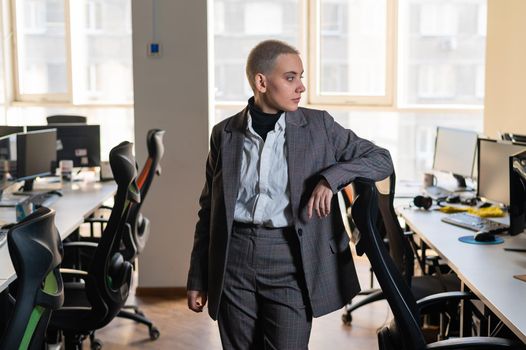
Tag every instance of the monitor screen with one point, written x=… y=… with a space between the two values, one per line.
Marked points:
x=455 y=151
x=8 y=130
x=36 y=152
x=79 y=143
x=8 y=157
x=493 y=169
x=517 y=209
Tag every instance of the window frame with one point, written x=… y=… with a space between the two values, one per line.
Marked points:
x=50 y=99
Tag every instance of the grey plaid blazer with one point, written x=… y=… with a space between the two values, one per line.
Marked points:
x=316 y=146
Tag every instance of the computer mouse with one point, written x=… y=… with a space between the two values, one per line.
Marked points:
x=453 y=198
x=484 y=205
x=484 y=236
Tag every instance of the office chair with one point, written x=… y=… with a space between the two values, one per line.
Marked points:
x=95 y=296
x=402 y=254
x=66 y=119
x=36 y=251
x=404 y=332
x=138 y=226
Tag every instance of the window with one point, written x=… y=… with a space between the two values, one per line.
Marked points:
x=392 y=74
x=41 y=49
x=63 y=55
x=239 y=26
x=441 y=46
x=352 y=35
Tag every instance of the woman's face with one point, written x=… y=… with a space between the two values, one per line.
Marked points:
x=281 y=89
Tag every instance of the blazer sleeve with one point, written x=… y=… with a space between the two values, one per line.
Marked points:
x=198 y=273
x=355 y=157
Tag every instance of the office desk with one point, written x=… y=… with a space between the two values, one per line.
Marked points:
x=487 y=270
x=77 y=203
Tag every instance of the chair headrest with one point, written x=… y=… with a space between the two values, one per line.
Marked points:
x=122 y=164
x=154 y=142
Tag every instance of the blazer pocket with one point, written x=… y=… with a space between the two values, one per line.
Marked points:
x=340 y=246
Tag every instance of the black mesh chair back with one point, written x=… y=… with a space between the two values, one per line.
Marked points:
x=108 y=277
x=399 y=246
x=140 y=225
x=66 y=119
x=393 y=283
x=112 y=273
x=36 y=252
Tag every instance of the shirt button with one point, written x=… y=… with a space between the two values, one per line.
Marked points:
x=300 y=232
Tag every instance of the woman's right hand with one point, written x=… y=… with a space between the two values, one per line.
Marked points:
x=196 y=300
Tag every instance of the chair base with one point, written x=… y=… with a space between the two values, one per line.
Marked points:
x=371 y=297
x=138 y=316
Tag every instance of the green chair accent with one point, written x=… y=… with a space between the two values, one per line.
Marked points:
x=36 y=252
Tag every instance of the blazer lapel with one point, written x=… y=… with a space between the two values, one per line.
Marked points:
x=296 y=151
x=231 y=150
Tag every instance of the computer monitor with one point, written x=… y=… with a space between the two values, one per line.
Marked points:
x=8 y=130
x=455 y=151
x=35 y=155
x=513 y=137
x=517 y=209
x=493 y=182
x=79 y=143
x=7 y=157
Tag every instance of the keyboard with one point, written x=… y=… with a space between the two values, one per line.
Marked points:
x=436 y=192
x=3 y=236
x=475 y=223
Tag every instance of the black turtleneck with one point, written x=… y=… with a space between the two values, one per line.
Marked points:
x=262 y=122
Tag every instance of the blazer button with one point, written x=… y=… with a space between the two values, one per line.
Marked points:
x=300 y=231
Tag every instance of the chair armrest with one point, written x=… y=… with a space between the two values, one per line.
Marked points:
x=79 y=244
x=96 y=220
x=479 y=343
x=441 y=298
x=73 y=273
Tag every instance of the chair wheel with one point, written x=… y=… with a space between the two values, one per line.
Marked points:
x=347 y=319
x=154 y=333
x=96 y=344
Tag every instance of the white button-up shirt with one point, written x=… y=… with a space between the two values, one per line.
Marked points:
x=264 y=192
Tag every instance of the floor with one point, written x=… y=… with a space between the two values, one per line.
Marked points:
x=183 y=329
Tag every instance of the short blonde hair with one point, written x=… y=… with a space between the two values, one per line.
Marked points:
x=262 y=58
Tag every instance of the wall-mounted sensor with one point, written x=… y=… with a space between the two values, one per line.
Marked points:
x=154 y=50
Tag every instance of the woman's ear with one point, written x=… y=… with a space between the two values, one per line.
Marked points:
x=260 y=83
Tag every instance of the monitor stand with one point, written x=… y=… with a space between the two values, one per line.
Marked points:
x=461 y=184
x=27 y=189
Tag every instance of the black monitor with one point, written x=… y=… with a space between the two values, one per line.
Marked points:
x=35 y=155
x=493 y=182
x=455 y=151
x=79 y=143
x=517 y=208
x=8 y=130
x=8 y=157
x=513 y=137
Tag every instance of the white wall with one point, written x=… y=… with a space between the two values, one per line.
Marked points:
x=171 y=93
x=505 y=102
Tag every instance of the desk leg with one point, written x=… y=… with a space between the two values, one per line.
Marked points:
x=465 y=314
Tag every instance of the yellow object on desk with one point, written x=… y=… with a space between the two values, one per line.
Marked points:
x=490 y=212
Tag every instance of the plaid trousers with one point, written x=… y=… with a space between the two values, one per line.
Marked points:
x=264 y=301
